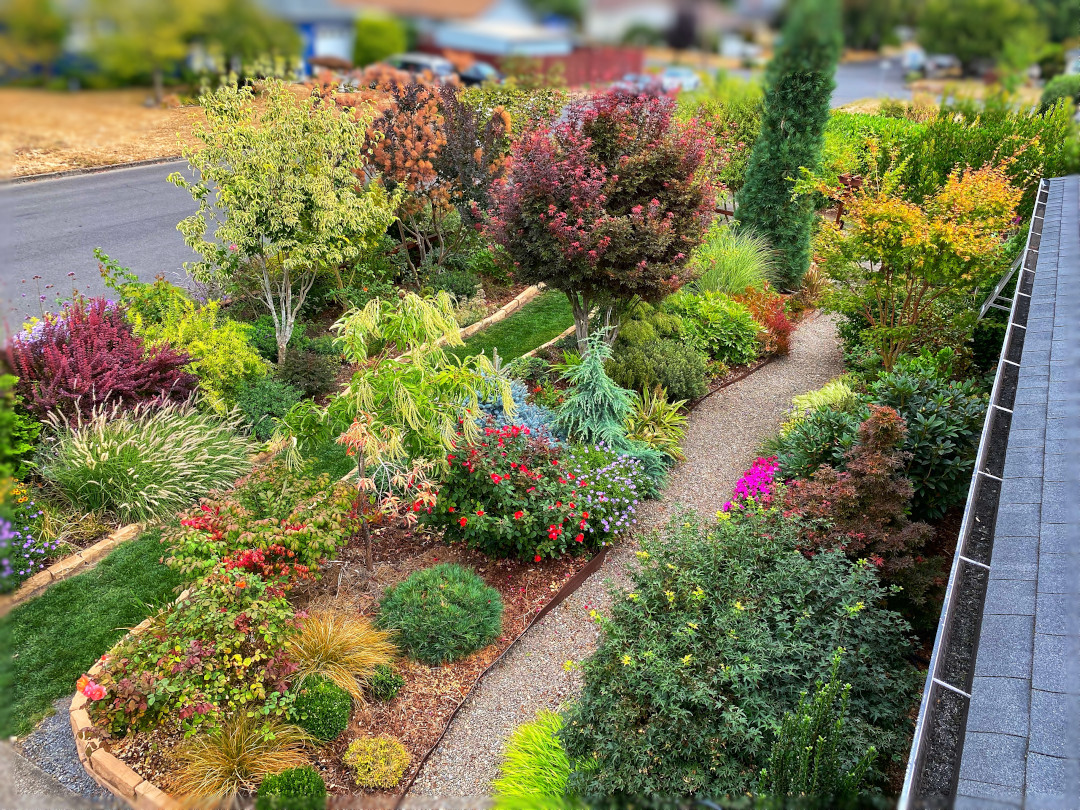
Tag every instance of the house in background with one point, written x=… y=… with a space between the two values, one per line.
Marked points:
x=326 y=28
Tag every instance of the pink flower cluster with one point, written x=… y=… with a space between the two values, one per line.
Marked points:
x=92 y=690
x=757 y=485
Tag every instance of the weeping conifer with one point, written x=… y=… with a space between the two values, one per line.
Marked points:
x=796 y=109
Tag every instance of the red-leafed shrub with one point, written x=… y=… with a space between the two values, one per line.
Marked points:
x=769 y=309
x=88 y=356
x=864 y=509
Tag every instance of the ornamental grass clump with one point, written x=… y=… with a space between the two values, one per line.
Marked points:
x=342 y=648
x=235 y=757
x=143 y=463
x=730 y=260
x=534 y=763
x=442 y=614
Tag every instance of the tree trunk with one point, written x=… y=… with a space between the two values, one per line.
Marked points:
x=581 y=321
x=159 y=86
x=364 y=529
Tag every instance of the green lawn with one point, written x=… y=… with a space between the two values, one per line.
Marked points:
x=46 y=644
x=536 y=323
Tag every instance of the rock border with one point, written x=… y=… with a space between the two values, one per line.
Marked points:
x=67 y=567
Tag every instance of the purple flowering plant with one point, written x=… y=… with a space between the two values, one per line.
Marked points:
x=22 y=552
x=610 y=486
x=756 y=487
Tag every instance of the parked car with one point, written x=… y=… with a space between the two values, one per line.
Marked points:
x=419 y=63
x=636 y=83
x=478 y=73
x=676 y=78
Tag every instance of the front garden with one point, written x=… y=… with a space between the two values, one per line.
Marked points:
x=349 y=513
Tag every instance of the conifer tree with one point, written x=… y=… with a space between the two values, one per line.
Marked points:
x=796 y=109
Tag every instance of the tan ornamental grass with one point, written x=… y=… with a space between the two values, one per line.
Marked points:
x=343 y=648
x=215 y=767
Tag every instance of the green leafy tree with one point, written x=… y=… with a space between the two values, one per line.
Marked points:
x=872 y=23
x=31 y=33
x=978 y=30
x=796 y=110
x=133 y=38
x=277 y=178
x=806 y=759
x=244 y=33
x=377 y=37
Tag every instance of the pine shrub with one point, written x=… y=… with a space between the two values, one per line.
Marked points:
x=442 y=614
x=796 y=110
x=294 y=789
x=377 y=762
x=322 y=708
x=87 y=357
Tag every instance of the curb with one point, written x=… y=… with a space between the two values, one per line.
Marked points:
x=136 y=164
x=68 y=566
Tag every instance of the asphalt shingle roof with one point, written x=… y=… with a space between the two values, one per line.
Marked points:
x=1022 y=743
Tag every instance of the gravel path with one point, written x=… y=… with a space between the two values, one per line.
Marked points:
x=724 y=434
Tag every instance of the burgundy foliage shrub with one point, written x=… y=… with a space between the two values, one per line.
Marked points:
x=769 y=309
x=86 y=356
x=605 y=204
x=864 y=509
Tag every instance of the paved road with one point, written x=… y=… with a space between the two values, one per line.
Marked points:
x=51 y=227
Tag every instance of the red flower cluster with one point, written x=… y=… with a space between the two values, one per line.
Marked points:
x=274 y=562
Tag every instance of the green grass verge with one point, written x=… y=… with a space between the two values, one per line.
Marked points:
x=543 y=318
x=46 y=644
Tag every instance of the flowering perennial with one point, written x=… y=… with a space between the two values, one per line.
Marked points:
x=756 y=487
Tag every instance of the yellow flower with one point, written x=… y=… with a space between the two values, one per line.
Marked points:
x=568 y=665
x=632 y=596
x=686 y=659
x=697 y=593
x=692 y=625
x=722 y=515
x=738 y=605
x=626 y=660
x=642 y=555
x=670 y=596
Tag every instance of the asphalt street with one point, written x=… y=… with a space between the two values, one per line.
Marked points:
x=49 y=228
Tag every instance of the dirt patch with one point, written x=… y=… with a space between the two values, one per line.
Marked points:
x=45 y=131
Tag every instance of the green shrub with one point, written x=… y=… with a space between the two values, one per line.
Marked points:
x=722 y=328
x=730 y=260
x=322 y=708
x=864 y=144
x=377 y=37
x=18 y=431
x=265 y=401
x=275 y=490
x=222 y=357
x=146 y=462
x=294 y=789
x=729 y=110
x=677 y=367
x=721 y=630
x=377 y=762
x=835 y=394
x=461 y=284
x=442 y=614
x=310 y=373
x=1061 y=88
x=262 y=337
x=822 y=436
x=534 y=764
x=385 y=683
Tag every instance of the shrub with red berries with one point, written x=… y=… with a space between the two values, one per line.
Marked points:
x=510 y=496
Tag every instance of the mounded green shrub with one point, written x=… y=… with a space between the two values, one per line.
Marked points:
x=534 y=763
x=678 y=368
x=442 y=614
x=721 y=630
x=719 y=326
x=1066 y=86
x=385 y=683
x=264 y=401
x=377 y=762
x=309 y=372
x=294 y=789
x=322 y=708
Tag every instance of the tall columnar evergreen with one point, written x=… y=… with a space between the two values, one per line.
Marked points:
x=800 y=85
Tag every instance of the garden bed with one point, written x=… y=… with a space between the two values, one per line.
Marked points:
x=420 y=713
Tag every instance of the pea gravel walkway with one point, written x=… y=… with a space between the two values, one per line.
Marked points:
x=724 y=434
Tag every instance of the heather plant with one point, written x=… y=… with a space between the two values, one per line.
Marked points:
x=534 y=765
x=732 y=259
x=863 y=509
x=722 y=328
x=510 y=495
x=377 y=762
x=385 y=683
x=605 y=205
x=721 y=629
x=215 y=654
x=442 y=614
x=796 y=109
x=657 y=422
x=18 y=431
x=86 y=356
x=275 y=185
x=143 y=463
x=23 y=549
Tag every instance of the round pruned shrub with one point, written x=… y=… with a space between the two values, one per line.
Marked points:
x=377 y=762
x=385 y=683
x=677 y=367
x=322 y=708
x=294 y=789
x=442 y=614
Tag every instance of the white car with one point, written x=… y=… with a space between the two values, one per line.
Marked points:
x=679 y=78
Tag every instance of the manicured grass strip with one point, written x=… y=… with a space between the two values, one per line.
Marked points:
x=46 y=644
x=331 y=458
x=533 y=325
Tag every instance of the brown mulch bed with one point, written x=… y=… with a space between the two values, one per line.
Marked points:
x=420 y=712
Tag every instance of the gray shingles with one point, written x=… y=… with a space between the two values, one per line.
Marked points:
x=995 y=759
x=1051 y=776
x=1056 y=666
x=1055 y=724
x=1005 y=646
x=1015 y=597
x=999 y=705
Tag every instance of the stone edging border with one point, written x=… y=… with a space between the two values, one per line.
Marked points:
x=68 y=567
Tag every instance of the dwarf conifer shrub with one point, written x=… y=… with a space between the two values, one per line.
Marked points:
x=295 y=789
x=675 y=366
x=442 y=614
x=377 y=762
x=796 y=110
x=721 y=630
x=87 y=357
x=322 y=708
